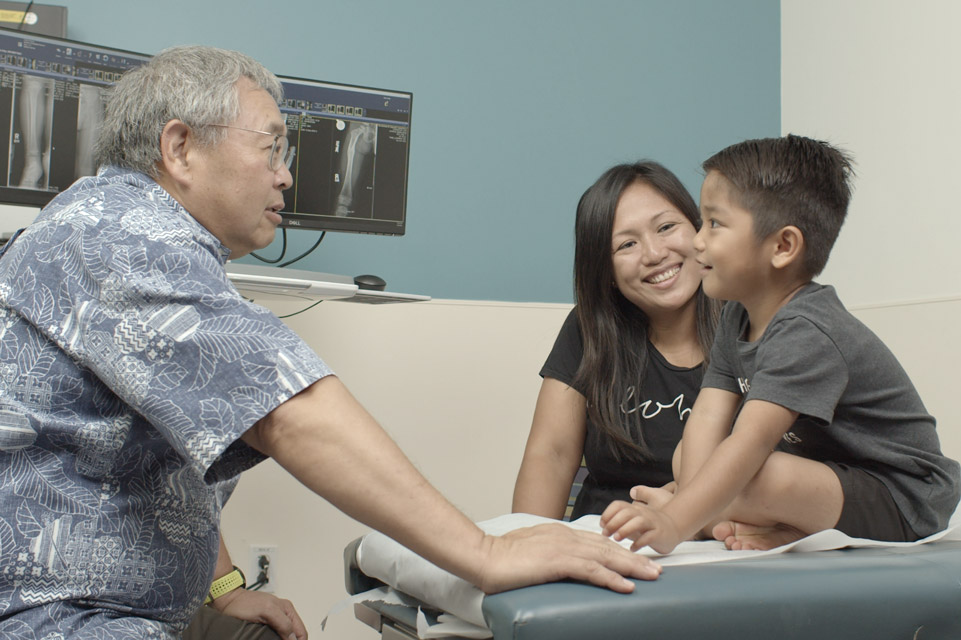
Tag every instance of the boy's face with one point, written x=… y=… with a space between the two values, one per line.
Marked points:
x=732 y=263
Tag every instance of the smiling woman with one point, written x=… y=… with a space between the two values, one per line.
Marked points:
x=627 y=364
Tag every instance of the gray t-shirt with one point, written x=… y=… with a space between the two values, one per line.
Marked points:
x=857 y=404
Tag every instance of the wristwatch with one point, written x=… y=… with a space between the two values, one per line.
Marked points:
x=221 y=586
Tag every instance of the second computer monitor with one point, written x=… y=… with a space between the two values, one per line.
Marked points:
x=351 y=149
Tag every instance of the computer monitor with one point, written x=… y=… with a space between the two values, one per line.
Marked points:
x=352 y=146
x=51 y=105
x=351 y=143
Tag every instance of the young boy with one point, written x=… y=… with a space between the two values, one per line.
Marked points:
x=805 y=420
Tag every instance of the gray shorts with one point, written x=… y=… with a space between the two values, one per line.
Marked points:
x=869 y=510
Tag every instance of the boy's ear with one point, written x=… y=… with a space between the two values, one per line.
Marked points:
x=789 y=247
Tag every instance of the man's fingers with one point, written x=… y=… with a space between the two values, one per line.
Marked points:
x=607 y=564
x=550 y=552
x=299 y=628
x=283 y=618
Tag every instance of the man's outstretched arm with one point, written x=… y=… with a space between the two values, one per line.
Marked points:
x=329 y=442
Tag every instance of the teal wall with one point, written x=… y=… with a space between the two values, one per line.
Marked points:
x=518 y=106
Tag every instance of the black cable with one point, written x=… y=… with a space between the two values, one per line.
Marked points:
x=290 y=315
x=283 y=250
x=323 y=234
x=25 y=12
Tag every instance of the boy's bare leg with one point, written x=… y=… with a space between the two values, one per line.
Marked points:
x=789 y=498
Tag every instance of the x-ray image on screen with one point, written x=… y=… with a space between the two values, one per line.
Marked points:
x=356 y=149
x=90 y=111
x=33 y=145
x=33 y=122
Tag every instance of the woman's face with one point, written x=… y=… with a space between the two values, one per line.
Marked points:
x=652 y=252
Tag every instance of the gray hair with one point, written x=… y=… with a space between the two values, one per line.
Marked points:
x=193 y=84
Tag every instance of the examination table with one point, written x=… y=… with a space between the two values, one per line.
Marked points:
x=908 y=592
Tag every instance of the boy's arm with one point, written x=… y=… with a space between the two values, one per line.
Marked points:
x=708 y=425
x=719 y=480
x=727 y=470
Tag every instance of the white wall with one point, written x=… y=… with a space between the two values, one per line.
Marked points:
x=880 y=78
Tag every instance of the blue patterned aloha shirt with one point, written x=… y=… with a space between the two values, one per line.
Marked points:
x=129 y=368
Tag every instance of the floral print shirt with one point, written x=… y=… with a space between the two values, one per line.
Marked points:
x=129 y=369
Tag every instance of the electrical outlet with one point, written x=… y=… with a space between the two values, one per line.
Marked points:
x=262 y=562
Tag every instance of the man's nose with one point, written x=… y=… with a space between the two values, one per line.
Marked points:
x=286 y=179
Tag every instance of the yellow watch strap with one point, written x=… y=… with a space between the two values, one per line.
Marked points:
x=233 y=580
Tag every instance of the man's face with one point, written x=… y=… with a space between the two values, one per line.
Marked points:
x=237 y=196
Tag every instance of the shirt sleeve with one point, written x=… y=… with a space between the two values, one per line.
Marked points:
x=799 y=367
x=209 y=365
x=565 y=356
x=721 y=372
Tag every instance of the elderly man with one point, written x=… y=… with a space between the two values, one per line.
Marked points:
x=137 y=384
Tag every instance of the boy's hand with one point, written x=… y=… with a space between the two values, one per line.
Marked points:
x=642 y=524
x=654 y=497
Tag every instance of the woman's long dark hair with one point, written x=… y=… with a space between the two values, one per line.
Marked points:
x=613 y=329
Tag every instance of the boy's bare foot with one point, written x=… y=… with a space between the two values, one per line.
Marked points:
x=739 y=536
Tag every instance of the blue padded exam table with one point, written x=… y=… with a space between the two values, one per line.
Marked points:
x=872 y=593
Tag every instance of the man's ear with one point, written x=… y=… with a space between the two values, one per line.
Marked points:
x=176 y=142
x=789 y=247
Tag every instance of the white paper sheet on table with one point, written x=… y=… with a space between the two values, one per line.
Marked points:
x=380 y=557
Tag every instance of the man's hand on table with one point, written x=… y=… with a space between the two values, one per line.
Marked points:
x=551 y=552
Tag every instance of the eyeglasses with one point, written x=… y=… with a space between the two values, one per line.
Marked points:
x=280 y=152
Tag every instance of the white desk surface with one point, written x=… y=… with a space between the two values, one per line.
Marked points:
x=266 y=283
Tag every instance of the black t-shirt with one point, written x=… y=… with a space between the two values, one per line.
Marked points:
x=665 y=397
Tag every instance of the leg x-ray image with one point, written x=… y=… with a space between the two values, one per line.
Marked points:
x=357 y=152
x=35 y=111
x=90 y=110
